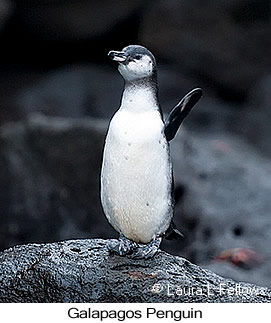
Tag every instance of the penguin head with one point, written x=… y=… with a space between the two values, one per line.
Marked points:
x=135 y=62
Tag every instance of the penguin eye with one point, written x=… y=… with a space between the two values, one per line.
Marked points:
x=138 y=56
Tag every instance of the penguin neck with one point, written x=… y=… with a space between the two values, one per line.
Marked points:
x=140 y=96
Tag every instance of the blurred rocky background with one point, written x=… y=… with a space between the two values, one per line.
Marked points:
x=58 y=91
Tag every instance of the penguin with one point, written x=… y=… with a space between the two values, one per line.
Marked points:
x=136 y=174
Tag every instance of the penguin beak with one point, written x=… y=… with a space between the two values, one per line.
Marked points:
x=117 y=56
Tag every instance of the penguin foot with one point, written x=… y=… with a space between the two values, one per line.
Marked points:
x=147 y=251
x=122 y=247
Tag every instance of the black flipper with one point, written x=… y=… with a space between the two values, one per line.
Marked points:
x=172 y=232
x=179 y=112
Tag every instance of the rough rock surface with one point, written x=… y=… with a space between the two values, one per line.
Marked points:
x=83 y=271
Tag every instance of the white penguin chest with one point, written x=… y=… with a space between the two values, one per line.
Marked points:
x=136 y=175
x=135 y=133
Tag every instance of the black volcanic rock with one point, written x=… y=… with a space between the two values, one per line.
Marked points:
x=83 y=271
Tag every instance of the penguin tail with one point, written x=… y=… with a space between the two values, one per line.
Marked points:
x=173 y=233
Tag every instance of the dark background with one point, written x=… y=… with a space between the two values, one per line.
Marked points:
x=58 y=90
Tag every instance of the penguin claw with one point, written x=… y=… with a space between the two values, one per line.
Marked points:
x=147 y=251
x=122 y=247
